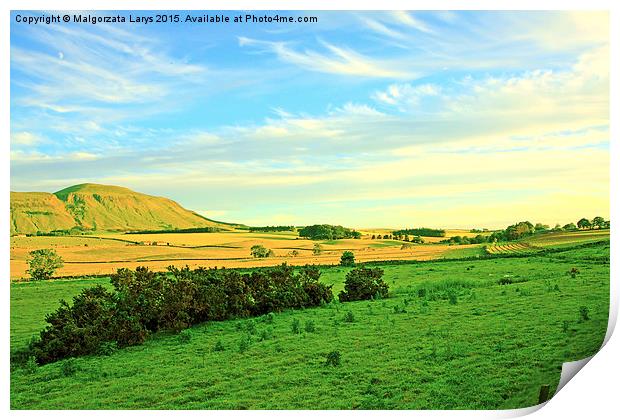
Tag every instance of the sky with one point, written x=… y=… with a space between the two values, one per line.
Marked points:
x=365 y=119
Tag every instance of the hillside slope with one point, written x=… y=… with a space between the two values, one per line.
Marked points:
x=100 y=207
x=38 y=211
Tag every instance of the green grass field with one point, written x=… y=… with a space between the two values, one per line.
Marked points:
x=491 y=347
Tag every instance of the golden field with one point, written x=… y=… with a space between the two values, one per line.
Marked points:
x=107 y=252
x=104 y=254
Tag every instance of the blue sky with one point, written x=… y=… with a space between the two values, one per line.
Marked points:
x=366 y=119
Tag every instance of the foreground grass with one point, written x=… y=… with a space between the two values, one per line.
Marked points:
x=492 y=347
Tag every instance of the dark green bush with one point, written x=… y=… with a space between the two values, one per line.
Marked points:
x=295 y=326
x=363 y=284
x=349 y=317
x=218 y=346
x=185 y=336
x=347 y=259
x=144 y=302
x=309 y=326
x=244 y=343
x=69 y=367
x=333 y=358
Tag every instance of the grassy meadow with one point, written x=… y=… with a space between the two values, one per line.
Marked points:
x=483 y=334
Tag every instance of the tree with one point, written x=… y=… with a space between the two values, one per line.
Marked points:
x=569 y=226
x=373 y=237
x=42 y=263
x=540 y=227
x=363 y=284
x=584 y=224
x=259 y=251
x=317 y=249
x=599 y=222
x=347 y=259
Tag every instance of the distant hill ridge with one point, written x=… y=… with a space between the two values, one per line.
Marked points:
x=100 y=207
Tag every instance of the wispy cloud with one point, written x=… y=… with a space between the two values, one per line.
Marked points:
x=334 y=60
x=407 y=19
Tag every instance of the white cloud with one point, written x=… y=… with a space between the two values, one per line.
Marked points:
x=408 y=19
x=335 y=60
x=406 y=94
x=25 y=138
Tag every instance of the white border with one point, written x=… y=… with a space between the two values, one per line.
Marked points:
x=592 y=394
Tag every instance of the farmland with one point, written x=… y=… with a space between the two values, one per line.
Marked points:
x=548 y=240
x=106 y=252
x=492 y=346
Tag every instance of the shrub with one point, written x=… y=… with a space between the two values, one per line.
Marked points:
x=269 y=317
x=333 y=358
x=82 y=328
x=399 y=309
x=317 y=249
x=31 y=365
x=349 y=317
x=584 y=313
x=107 y=348
x=363 y=284
x=185 y=336
x=244 y=343
x=43 y=263
x=69 y=367
x=218 y=346
x=309 y=326
x=296 y=326
x=250 y=327
x=347 y=259
x=259 y=251
x=266 y=334
x=452 y=297
x=144 y=302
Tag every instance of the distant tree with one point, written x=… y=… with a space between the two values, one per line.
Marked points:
x=385 y=236
x=599 y=222
x=347 y=259
x=259 y=251
x=584 y=224
x=317 y=249
x=539 y=227
x=569 y=226
x=373 y=237
x=406 y=238
x=318 y=232
x=43 y=263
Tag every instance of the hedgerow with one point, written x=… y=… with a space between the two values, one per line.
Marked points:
x=144 y=302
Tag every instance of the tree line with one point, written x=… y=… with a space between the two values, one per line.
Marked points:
x=437 y=233
x=523 y=229
x=272 y=229
x=320 y=232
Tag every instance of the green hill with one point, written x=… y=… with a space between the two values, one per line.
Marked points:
x=100 y=207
